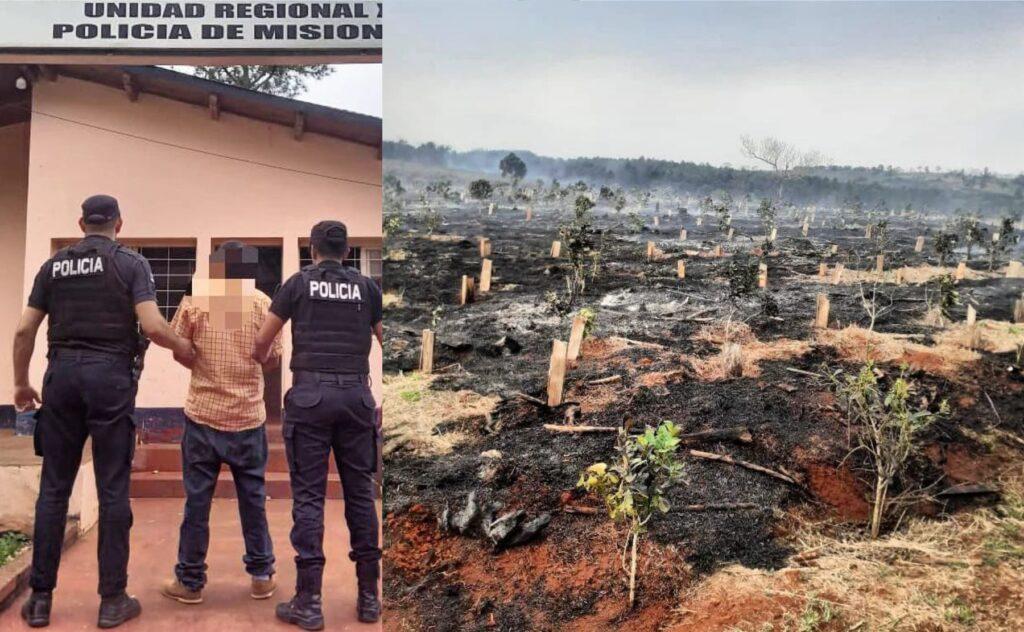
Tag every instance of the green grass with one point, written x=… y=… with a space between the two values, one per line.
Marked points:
x=10 y=543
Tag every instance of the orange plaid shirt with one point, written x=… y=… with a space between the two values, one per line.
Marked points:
x=226 y=390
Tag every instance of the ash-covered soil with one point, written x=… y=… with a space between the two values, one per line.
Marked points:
x=652 y=330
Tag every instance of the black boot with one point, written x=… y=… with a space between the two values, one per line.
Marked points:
x=368 y=603
x=116 y=610
x=36 y=610
x=303 y=610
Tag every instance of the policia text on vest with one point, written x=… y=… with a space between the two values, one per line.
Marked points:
x=97 y=295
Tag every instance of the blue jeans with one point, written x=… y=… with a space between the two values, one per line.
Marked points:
x=203 y=450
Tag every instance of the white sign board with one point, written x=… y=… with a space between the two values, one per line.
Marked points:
x=71 y=25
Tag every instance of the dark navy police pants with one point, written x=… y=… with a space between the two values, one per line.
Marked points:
x=325 y=412
x=203 y=450
x=85 y=394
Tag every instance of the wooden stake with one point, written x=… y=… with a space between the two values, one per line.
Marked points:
x=485 y=247
x=485 y=276
x=837 y=274
x=529 y=213
x=468 y=286
x=556 y=372
x=575 y=340
x=1018 y=310
x=762 y=275
x=822 y=270
x=650 y=251
x=682 y=234
x=490 y=208
x=804 y=230
x=834 y=250
x=556 y=249
x=700 y=221
x=961 y=271
x=774 y=234
x=879 y=264
x=427 y=352
x=657 y=220
x=919 y=244
x=718 y=250
x=821 y=313
x=681 y=269
x=868 y=230
x=729 y=234
x=972 y=315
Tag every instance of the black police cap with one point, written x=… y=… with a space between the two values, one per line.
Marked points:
x=100 y=209
x=331 y=233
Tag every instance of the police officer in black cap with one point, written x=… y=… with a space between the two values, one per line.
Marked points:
x=96 y=293
x=335 y=313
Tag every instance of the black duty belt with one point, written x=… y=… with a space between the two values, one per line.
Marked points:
x=64 y=353
x=341 y=379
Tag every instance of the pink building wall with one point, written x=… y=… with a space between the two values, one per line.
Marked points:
x=85 y=140
x=13 y=193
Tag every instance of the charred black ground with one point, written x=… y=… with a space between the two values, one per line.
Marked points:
x=501 y=343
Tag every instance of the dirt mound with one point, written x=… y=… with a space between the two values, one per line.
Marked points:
x=841 y=490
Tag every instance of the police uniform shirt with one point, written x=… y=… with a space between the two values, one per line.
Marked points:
x=131 y=268
x=288 y=297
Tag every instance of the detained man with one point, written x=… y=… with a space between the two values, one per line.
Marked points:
x=225 y=418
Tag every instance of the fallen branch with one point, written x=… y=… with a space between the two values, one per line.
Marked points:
x=725 y=458
x=719 y=507
x=576 y=509
x=579 y=429
x=741 y=434
x=605 y=380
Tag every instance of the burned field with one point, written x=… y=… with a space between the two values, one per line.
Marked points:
x=485 y=526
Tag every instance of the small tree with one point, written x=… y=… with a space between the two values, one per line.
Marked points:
x=886 y=428
x=767 y=211
x=741 y=273
x=944 y=245
x=970 y=231
x=432 y=220
x=634 y=487
x=513 y=167
x=480 y=189
x=578 y=238
x=943 y=288
x=1003 y=243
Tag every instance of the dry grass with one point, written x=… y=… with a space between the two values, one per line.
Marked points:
x=959 y=573
x=413 y=411
x=913 y=275
x=994 y=336
x=393 y=298
x=740 y=352
x=858 y=345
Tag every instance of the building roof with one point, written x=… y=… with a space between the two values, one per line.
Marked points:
x=218 y=97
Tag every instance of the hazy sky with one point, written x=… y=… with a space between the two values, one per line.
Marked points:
x=907 y=84
x=355 y=87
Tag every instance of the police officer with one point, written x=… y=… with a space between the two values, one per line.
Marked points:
x=335 y=312
x=96 y=293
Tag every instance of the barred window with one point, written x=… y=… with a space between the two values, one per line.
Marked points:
x=173 y=267
x=353 y=259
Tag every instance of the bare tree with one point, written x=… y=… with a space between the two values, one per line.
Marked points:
x=785 y=160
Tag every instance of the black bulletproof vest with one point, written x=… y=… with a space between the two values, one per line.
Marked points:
x=331 y=322
x=89 y=305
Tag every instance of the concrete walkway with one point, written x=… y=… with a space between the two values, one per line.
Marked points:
x=227 y=605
